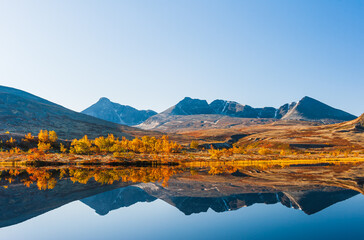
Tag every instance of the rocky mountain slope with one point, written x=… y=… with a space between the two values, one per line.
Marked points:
x=114 y=112
x=189 y=106
x=183 y=123
x=22 y=112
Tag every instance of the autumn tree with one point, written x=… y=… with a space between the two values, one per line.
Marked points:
x=43 y=136
x=28 y=137
x=105 y=144
x=62 y=148
x=42 y=146
x=52 y=135
x=11 y=141
x=82 y=146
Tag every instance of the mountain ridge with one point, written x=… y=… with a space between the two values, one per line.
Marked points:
x=307 y=109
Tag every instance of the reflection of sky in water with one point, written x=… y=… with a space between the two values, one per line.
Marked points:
x=159 y=220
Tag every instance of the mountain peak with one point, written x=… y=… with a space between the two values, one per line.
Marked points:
x=307 y=99
x=313 y=110
x=104 y=99
x=187 y=99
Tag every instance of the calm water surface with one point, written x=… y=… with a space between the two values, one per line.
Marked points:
x=190 y=206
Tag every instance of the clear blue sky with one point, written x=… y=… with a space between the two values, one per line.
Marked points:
x=151 y=54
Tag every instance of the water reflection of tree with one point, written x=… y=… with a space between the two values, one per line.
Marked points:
x=46 y=178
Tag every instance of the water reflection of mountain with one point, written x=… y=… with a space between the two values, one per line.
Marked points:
x=309 y=201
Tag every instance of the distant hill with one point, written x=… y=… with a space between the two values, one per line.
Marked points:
x=200 y=112
x=22 y=112
x=114 y=112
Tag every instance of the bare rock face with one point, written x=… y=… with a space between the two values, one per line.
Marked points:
x=284 y=109
x=114 y=112
x=233 y=109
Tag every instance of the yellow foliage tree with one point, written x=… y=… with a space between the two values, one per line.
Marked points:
x=62 y=148
x=105 y=144
x=28 y=137
x=11 y=141
x=52 y=136
x=43 y=136
x=82 y=146
x=44 y=146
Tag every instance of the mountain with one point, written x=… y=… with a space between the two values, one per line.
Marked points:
x=114 y=112
x=194 y=113
x=22 y=112
x=310 y=109
x=189 y=106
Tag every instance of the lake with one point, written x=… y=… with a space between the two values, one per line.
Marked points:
x=224 y=202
